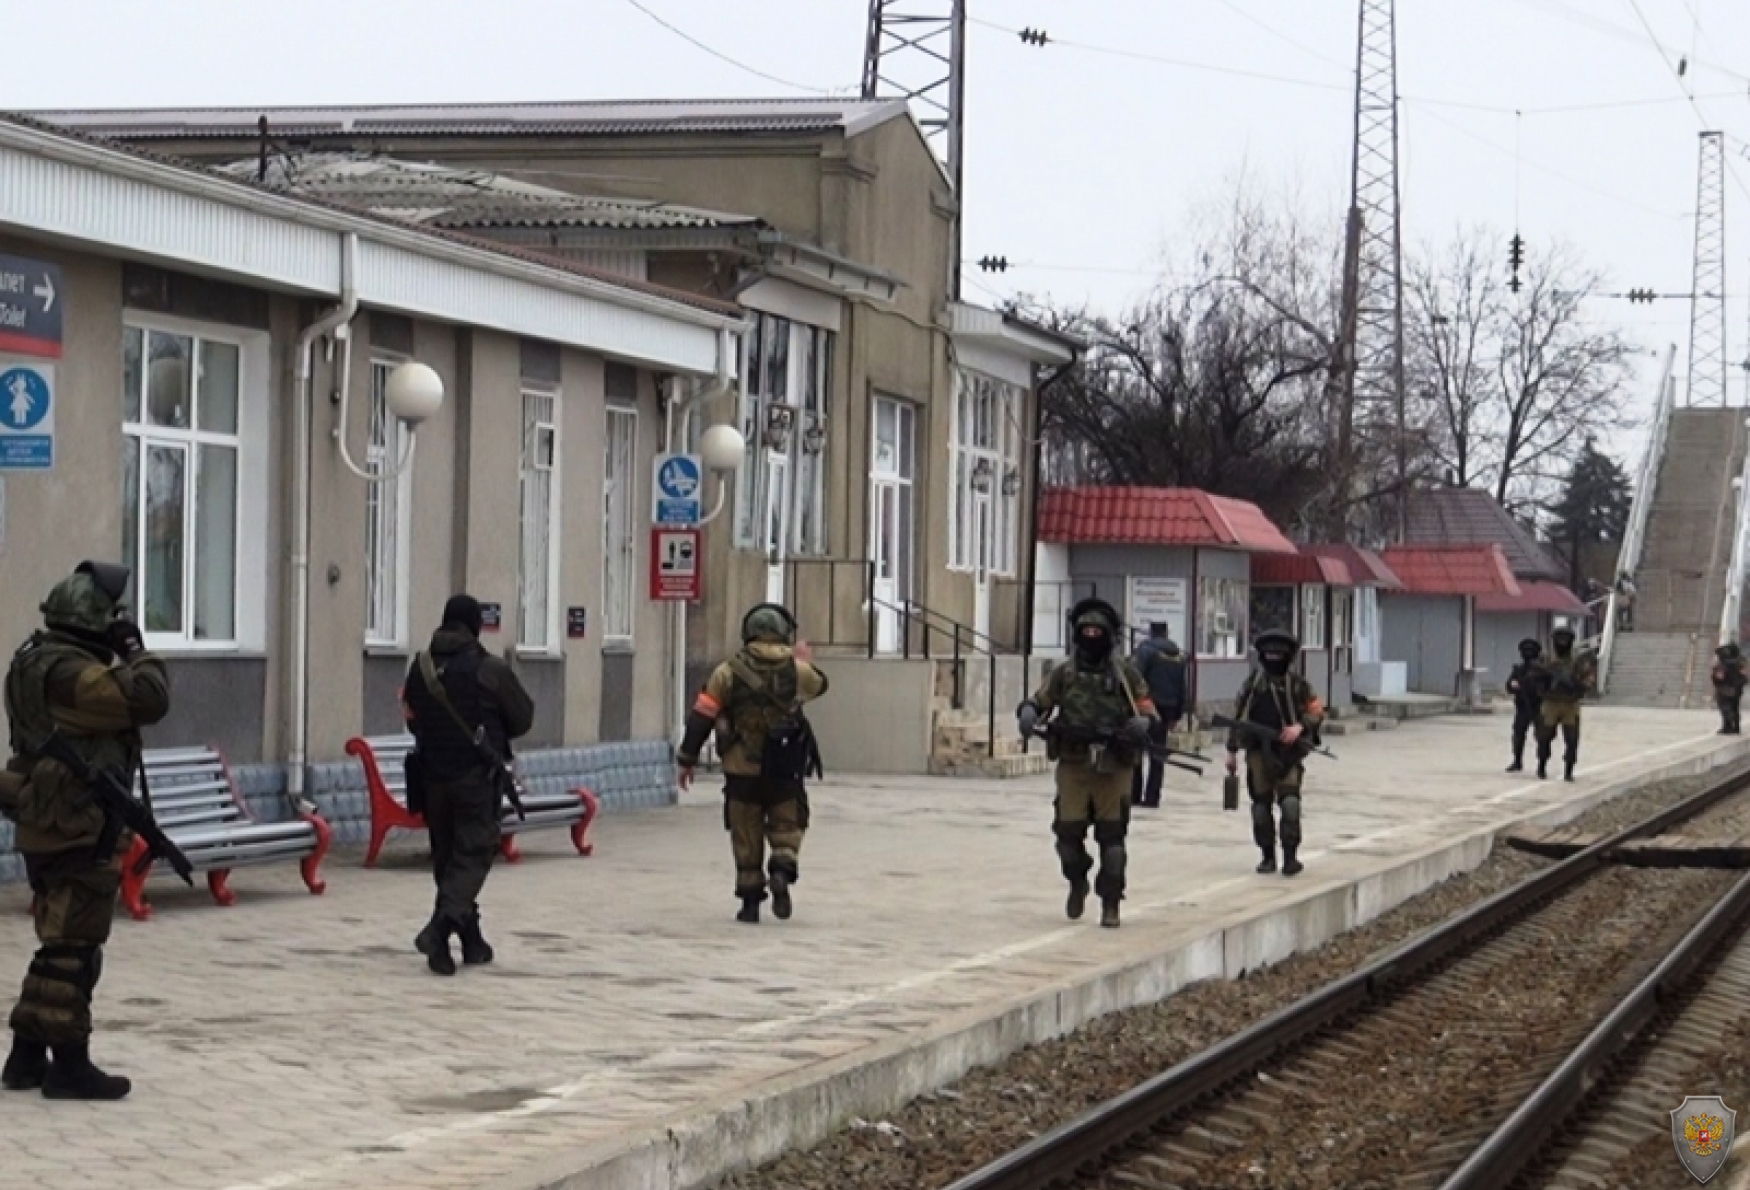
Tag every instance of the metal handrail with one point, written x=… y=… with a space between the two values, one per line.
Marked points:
x=1731 y=611
x=1634 y=539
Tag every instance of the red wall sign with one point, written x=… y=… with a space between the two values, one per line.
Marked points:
x=676 y=565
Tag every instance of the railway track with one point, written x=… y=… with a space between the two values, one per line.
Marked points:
x=1449 y=1063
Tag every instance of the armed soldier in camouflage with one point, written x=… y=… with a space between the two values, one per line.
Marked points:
x=754 y=702
x=89 y=678
x=1104 y=716
x=1729 y=681
x=1285 y=703
x=1563 y=679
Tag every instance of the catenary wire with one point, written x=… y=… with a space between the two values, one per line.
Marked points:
x=721 y=56
x=1706 y=124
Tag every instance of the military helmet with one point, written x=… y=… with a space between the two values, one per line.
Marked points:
x=1095 y=611
x=1563 y=631
x=1728 y=651
x=88 y=599
x=1276 y=640
x=1530 y=649
x=769 y=622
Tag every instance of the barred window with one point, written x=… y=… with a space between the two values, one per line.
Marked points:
x=537 y=623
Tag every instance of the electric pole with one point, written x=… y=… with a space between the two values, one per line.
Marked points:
x=1707 y=311
x=1367 y=376
x=916 y=51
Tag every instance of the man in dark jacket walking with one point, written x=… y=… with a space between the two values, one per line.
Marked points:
x=1162 y=666
x=464 y=706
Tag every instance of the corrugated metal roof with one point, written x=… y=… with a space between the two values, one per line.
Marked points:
x=1452 y=570
x=1455 y=516
x=1299 y=569
x=1535 y=597
x=583 y=118
x=1367 y=568
x=1157 y=516
x=445 y=196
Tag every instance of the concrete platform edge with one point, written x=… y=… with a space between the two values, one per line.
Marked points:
x=801 y=1109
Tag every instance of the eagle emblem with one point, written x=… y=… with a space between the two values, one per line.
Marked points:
x=1703 y=1134
x=1702 y=1129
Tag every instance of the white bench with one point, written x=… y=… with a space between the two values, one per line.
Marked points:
x=386 y=779
x=197 y=805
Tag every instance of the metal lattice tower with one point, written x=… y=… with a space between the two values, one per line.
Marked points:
x=1372 y=431
x=1707 y=311
x=917 y=52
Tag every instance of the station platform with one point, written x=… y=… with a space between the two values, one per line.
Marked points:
x=631 y=1034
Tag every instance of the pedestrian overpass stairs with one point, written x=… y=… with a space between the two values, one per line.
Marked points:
x=1661 y=669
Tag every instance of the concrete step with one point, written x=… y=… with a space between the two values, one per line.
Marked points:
x=1001 y=768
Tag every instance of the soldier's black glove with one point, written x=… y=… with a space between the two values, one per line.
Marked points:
x=1136 y=731
x=1027 y=715
x=125 y=639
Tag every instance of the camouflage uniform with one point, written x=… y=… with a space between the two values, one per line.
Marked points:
x=1729 y=680
x=1564 y=676
x=1522 y=684
x=89 y=677
x=1276 y=698
x=758 y=691
x=1095 y=693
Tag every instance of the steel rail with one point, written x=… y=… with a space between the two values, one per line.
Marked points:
x=1518 y=1142
x=1085 y=1140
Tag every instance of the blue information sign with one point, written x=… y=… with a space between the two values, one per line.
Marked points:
x=679 y=487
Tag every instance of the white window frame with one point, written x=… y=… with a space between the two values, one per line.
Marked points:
x=805 y=390
x=1224 y=597
x=250 y=517
x=620 y=551
x=1342 y=618
x=383 y=452
x=1312 y=616
x=993 y=436
x=540 y=637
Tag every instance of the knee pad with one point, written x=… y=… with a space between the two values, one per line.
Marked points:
x=1070 y=832
x=1109 y=834
x=1262 y=814
x=1113 y=861
x=1291 y=820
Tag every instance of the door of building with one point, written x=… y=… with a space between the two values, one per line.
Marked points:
x=983 y=544
x=890 y=519
x=777 y=533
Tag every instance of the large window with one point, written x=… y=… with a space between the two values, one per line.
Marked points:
x=1312 y=605
x=785 y=408
x=388 y=518
x=537 y=621
x=892 y=473
x=1342 y=625
x=985 y=474
x=1221 y=617
x=182 y=403
x=1272 y=610
x=619 y=544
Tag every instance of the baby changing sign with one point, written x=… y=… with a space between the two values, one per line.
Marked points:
x=27 y=415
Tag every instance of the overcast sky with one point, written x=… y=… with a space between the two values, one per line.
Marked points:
x=1083 y=163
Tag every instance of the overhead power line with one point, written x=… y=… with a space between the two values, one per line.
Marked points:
x=738 y=64
x=1677 y=75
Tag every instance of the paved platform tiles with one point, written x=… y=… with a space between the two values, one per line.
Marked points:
x=631 y=1034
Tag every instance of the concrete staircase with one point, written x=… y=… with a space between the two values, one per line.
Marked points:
x=1680 y=585
x=962 y=741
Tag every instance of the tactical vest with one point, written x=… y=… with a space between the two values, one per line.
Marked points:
x=759 y=701
x=53 y=803
x=445 y=750
x=1093 y=700
x=1575 y=670
x=1272 y=702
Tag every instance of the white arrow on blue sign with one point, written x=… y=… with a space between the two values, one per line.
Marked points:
x=680 y=484
x=27 y=416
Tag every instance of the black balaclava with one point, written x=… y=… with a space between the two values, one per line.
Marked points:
x=463 y=611
x=1563 y=640
x=1275 y=658
x=1095 y=622
x=1530 y=650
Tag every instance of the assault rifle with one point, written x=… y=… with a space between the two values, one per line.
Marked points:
x=119 y=809
x=1117 y=739
x=503 y=777
x=1269 y=735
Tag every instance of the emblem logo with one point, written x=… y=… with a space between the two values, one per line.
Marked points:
x=1703 y=1129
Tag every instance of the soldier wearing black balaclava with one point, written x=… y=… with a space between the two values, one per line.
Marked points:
x=1729 y=680
x=1522 y=684
x=1281 y=700
x=1564 y=678
x=1103 y=719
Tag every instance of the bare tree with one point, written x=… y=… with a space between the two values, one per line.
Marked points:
x=1452 y=309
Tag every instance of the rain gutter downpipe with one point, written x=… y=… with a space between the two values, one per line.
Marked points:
x=303 y=397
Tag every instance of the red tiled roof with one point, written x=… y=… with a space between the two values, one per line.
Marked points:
x=1452 y=569
x=1301 y=568
x=1535 y=597
x=1157 y=516
x=1365 y=567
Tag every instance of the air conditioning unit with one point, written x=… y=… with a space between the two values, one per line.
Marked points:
x=1219 y=624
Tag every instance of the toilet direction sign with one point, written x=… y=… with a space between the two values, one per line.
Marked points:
x=27 y=415
x=30 y=307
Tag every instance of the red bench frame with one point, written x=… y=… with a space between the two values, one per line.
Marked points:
x=388 y=814
x=137 y=864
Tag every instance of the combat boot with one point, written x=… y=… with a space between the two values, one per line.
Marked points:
x=1543 y=770
x=1268 y=864
x=1518 y=766
x=1109 y=914
x=750 y=911
x=72 y=1076
x=476 y=951
x=434 y=943
x=25 y=1065
x=1568 y=771
x=1078 y=899
x=1291 y=866
x=778 y=879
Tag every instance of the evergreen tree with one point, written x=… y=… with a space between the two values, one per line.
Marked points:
x=1593 y=507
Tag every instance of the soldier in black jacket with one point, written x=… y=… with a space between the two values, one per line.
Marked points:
x=1527 y=694
x=463 y=803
